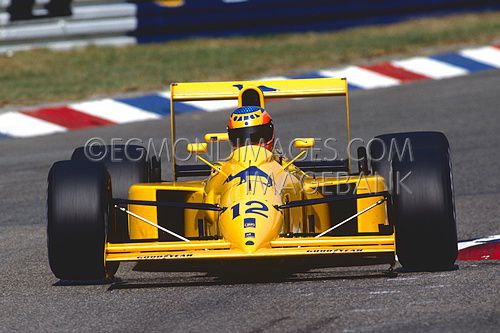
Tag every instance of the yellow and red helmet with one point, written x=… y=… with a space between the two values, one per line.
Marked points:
x=251 y=125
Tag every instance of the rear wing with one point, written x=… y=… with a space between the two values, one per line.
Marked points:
x=207 y=91
x=271 y=89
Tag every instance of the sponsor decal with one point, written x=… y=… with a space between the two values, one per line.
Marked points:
x=250 y=171
x=261 y=87
x=249 y=222
x=165 y=256
x=334 y=251
x=258 y=208
x=249 y=234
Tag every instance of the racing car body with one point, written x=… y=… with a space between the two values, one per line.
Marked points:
x=251 y=189
x=255 y=205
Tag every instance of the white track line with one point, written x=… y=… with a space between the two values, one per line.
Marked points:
x=114 y=111
x=361 y=77
x=431 y=68
x=20 y=125
x=487 y=55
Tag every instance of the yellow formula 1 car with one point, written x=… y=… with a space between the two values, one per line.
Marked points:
x=255 y=207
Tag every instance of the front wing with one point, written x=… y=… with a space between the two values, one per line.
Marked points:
x=354 y=246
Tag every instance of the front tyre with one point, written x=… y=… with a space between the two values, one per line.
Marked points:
x=417 y=166
x=78 y=214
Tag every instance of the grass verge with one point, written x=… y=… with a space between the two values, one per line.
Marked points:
x=47 y=76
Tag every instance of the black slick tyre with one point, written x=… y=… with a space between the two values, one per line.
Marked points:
x=417 y=167
x=78 y=214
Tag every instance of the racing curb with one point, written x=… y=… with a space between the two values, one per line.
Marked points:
x=63 y=118
x=487 y=248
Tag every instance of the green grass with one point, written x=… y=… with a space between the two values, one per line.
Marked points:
x=47 y=76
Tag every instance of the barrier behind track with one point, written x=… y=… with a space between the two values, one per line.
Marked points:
x=68 y=23
x=65 y=23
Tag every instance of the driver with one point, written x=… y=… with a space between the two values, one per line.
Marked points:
x=251 y=125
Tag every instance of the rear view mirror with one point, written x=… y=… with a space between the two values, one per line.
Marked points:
x=197 y=148
x=216 y=137
x=303 y=143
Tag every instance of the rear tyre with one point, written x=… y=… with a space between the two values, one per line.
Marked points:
x=127 y=165
x=78 y=214
x=419 y=176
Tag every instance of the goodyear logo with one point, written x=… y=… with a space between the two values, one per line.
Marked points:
x=166 y=256
x=335 y=251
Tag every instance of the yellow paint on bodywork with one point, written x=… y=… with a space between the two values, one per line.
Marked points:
x=370 y=221
x=216 y=137
x=252 y=189
x=281 y=247
x=147 y=192
x=303 y=143
x=193 y=91
x=197 y=148
x=136 y=228
x=250 y=223
x=191 y=216
x=367 y=222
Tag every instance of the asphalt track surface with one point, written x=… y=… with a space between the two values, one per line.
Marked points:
x=328 y=300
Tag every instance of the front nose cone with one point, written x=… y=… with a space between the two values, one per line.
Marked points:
x=250 y=224
x=249 y=246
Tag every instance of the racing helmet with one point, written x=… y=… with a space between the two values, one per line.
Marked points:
x=251 y=125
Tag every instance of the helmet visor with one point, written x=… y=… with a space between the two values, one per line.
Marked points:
x=251 y=135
